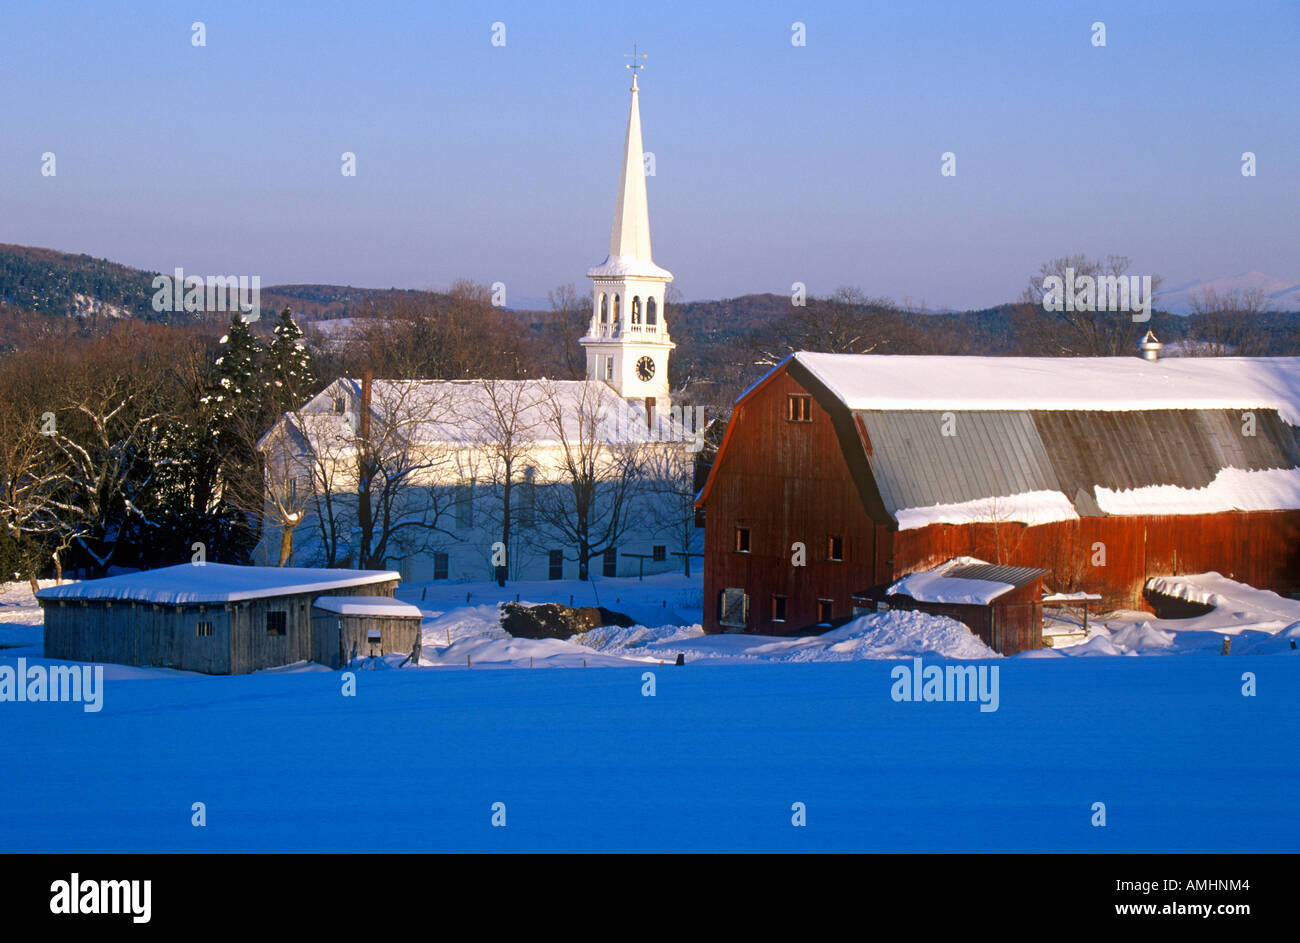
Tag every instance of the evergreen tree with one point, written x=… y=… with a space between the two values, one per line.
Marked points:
x=291 y=370
x=237 y=388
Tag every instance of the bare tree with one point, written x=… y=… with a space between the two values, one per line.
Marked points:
x=503 y=424
x=1229 y=323
x=670 y=478
x=592 y=505
x=848 y=322
x=570 y=318
x=109 y=462
x=1078 y=333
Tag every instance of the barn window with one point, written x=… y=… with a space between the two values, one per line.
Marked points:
x=660 y=553
x=204 y=629
x=277 y=623
x=742 y=540
x=609 y=562
x=556 y=565
x=439 y=566
x=733 y=608
x=778 y=608
x=823 y=612
x=799 y=408
x=835 y=548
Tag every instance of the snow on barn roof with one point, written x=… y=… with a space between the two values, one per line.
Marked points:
x=866 y=381
x=189 y=583
x=965 y=581
x=376 y=606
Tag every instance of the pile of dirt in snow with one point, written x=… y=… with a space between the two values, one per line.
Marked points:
x=552 y=620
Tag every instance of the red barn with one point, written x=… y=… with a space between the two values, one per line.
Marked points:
x=840 y=472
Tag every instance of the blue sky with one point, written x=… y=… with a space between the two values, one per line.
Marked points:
x=775 y=163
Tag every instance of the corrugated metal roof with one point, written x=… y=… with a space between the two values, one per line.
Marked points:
x=1001 y=453
x=1183 y=447
x=989 y=454
x=1017 y=576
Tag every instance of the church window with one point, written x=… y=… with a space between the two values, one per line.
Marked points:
x=636 y=309
x=616 y=309
x=609 y=368
x=604 y=309
x=651 y=313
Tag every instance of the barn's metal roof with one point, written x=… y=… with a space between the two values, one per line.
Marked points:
x=923 y=458
x=928 y=458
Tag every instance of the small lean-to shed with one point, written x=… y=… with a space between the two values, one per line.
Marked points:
x=364 y=625
x=1003 y=605
x=210 y=617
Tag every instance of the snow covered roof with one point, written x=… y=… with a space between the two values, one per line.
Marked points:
x=1060 y=383
x=189 y=583
x=965 y=581
x=628 y=266
x=376 y=606
x=465 y=412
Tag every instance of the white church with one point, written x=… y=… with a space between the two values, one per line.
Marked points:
x=517 y=480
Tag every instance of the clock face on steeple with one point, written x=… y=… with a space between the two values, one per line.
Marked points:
x=645 y=369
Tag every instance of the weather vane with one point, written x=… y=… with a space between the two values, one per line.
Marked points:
x=634 y=65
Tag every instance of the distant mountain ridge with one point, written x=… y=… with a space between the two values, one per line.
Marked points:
x=1283 y=293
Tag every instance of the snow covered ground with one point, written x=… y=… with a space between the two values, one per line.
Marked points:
x=1258 y=621
x=584 y=760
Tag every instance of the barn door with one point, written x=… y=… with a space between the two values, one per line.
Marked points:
x=733 y=609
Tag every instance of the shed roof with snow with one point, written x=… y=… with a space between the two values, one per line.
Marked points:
x=965 y=581
x=215 y=583
x=367 y=606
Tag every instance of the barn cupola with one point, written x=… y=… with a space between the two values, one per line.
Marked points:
x=627 y=344
x=1149 y=348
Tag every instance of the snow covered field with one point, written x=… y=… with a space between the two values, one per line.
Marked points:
x=715 y=759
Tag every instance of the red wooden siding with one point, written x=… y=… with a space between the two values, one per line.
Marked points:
x=1261 y=548
x=786 y=481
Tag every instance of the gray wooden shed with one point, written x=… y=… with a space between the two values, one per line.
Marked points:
x=212 y=617
x=366 y=625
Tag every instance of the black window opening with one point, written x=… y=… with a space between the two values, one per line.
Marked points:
x=277 y=623
x=609 y=562
x=440 y=562
x=835 y=548
x=823 y=612
x=778 y=608
x=799 y=408
x=742 y=540
x=556 y=565
x=204 y=629
x=660 y=553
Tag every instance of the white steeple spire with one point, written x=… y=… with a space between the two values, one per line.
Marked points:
x=631 y=235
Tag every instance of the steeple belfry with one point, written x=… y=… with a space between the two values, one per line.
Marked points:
x=628 y=345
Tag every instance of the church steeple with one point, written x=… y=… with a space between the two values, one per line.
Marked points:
x=627 y=345
x=631 y=235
